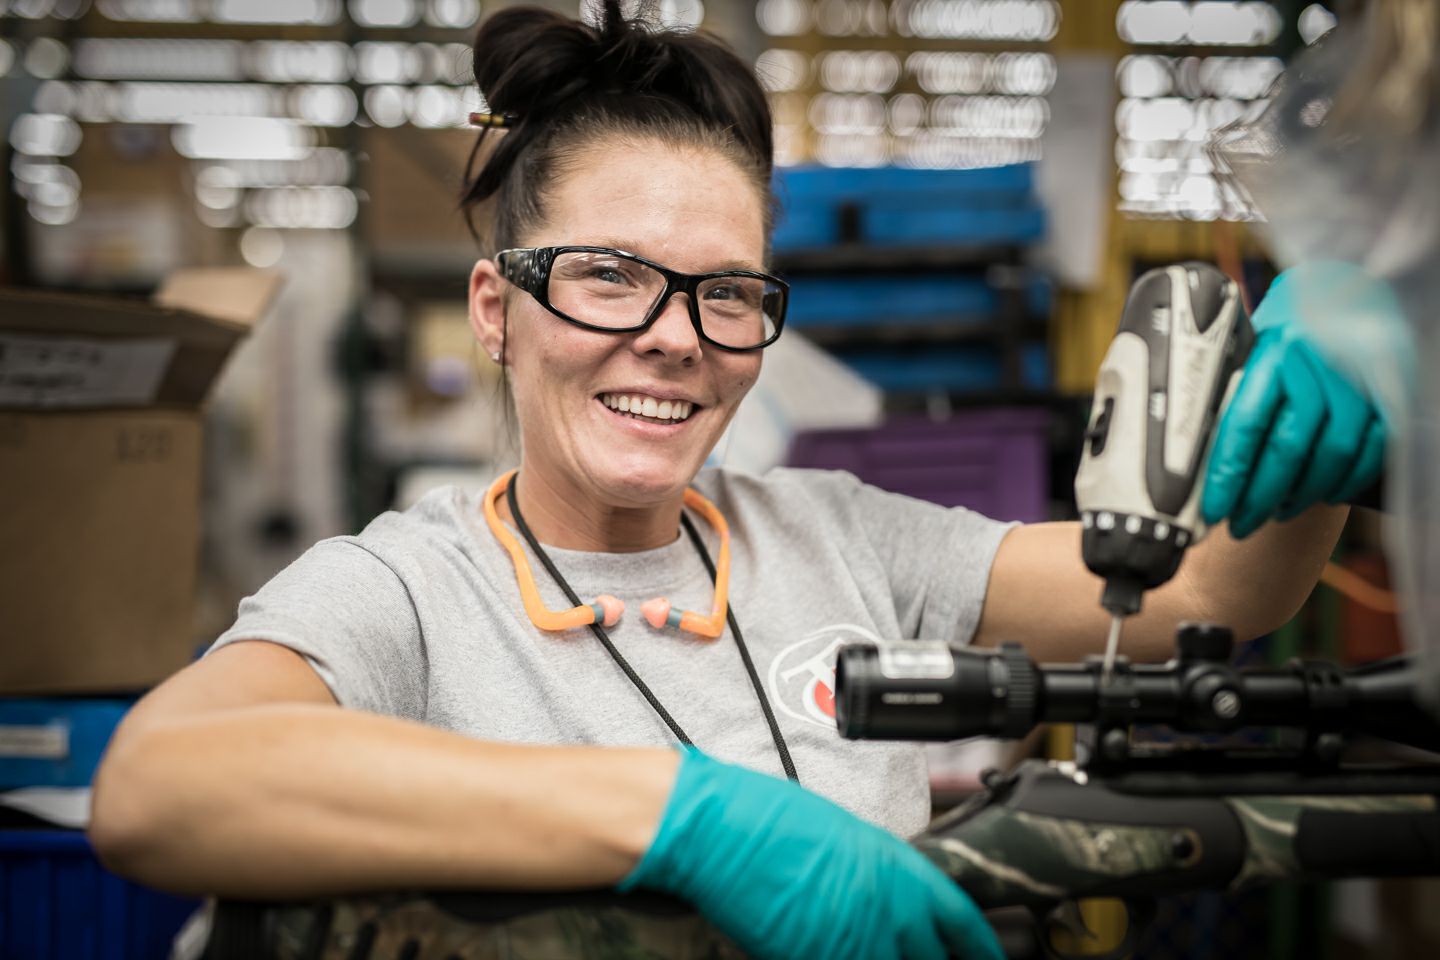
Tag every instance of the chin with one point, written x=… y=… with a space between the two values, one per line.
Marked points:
x=645 y=482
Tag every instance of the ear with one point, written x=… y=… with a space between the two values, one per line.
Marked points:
x=487 y=307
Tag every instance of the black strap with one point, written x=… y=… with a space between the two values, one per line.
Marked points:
x=775 y=735
x=624 y=665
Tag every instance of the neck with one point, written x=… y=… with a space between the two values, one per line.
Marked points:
x=560 y=516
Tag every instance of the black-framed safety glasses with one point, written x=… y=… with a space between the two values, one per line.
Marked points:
x=617 y=292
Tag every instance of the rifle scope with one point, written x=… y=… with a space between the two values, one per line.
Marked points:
x=933 y=691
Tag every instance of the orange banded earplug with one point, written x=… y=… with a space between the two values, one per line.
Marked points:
x=606 y=609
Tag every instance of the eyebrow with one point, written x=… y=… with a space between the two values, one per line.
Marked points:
x=615 y=243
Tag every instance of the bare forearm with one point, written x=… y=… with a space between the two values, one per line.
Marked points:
x=1041 y=595
x=296 y=800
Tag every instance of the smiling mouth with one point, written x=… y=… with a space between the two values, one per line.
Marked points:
x=648 y=409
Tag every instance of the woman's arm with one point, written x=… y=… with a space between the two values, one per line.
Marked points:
x=240 y=777
x=1041 y=594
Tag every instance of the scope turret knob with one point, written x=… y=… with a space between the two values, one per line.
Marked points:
x=1226 y=703
x=1205 y=642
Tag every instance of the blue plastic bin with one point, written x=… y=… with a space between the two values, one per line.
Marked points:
x=912 y=299
x=942 y=221
x=811 y=181
x=865 y=301
x=54 y=742
x=895 y=206
x=58 y=903
x=962 y=368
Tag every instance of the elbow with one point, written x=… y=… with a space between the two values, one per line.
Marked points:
x=123 y=808
x=1249 y=616
x=1269 y=618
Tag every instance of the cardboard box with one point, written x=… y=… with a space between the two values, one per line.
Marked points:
x=100 y=462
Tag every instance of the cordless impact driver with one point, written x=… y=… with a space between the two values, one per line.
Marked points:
x=1173 y=365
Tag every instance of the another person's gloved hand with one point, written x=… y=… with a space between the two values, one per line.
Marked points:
x=787 y=874
x=1297 y=432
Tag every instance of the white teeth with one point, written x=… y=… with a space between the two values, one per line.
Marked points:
x=648 y=406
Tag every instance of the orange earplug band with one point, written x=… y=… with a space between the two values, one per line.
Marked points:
x=607 y=609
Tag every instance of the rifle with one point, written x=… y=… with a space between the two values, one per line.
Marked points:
x=1137 y=820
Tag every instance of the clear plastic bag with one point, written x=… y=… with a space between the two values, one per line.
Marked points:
x=1343 y=169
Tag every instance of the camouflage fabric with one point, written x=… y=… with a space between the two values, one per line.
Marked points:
x=1005 y=857
x=1004 y=854
x=1270 y=824
x=418 y=927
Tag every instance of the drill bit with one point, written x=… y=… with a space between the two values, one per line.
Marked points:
x=1112 y=645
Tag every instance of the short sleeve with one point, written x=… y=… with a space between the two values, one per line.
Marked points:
x=937 y=559
x=348 y=613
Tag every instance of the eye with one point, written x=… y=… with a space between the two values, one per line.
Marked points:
x=598 y=270
x=742 y=291
x=608 y=274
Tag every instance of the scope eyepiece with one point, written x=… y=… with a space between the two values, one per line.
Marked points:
x=928 y=690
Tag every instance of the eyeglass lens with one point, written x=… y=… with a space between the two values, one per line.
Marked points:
x=609 y=290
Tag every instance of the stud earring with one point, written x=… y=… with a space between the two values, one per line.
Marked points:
x=495 y=356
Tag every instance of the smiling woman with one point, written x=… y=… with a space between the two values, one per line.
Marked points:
x=487 y=691
x=596 y=331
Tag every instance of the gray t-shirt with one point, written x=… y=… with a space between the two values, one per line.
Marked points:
x=420 y=617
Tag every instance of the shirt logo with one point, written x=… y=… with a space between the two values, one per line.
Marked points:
x=802 y=676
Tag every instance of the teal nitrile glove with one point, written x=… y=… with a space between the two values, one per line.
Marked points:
x=1297 y=432
x=787 y=874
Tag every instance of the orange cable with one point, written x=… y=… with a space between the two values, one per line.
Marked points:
x=713 y=625
x=1358 y=589
x=1227 y=257
x=541 y=615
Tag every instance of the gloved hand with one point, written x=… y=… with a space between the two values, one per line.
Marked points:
x=787 y=874
x=1297 y=432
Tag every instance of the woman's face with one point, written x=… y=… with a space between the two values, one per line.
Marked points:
x=691 y=210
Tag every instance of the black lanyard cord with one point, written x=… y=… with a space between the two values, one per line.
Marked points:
x=624 y=665
x=775 y=735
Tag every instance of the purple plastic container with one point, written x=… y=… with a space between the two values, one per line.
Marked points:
x=995 y=461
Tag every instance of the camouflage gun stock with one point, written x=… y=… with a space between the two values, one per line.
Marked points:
x=1048 y=835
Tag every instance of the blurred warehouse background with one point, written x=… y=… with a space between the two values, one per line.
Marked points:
x=969 y=188
x=325 y=139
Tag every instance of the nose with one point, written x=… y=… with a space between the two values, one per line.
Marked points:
x=673 y=333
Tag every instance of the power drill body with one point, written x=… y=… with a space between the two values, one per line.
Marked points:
x=1173 y=365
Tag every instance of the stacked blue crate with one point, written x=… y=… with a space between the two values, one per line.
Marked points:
x=931 y=235
x=902 y=206
x=56 y=901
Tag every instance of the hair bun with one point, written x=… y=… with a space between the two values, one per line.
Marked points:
x=561 y=77
x=526 y=57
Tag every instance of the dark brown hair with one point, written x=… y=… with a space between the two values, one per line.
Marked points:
x=570 y=85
